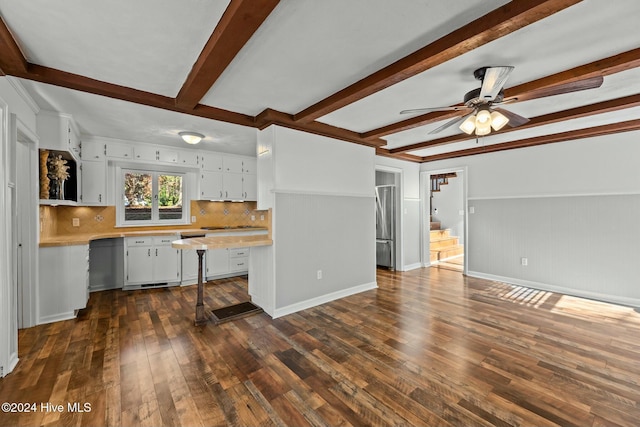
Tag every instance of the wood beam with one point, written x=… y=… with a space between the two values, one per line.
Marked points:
x=239 y=22
x=270 y=117
x=613 y=128
x=11 y=57
x=546 y=119
x=402 y=156
x=497 y=23
x=85 y=84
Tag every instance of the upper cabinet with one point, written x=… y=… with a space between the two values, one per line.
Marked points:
x=58 y=132
x=232 y=164
x=211 y=162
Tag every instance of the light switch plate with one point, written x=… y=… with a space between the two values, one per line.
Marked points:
x=76 y=222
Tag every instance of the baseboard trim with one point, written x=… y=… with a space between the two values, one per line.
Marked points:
x=313 y=302
x=56 y=317
x=414 y=266
x=614 y=299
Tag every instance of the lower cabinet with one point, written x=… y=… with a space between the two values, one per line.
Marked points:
x=151 y=262
x=64 y=282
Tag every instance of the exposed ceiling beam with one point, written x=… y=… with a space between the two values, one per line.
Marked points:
x=402 y=156
x=628 y=126
x=497 y=23
x=239 y=22
x=531 y=90
x=270 y=117
x=546 y=119
x=11 y=57
x=86 y=84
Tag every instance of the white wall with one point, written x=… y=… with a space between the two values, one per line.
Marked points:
x=449 y=202
x=570 y=208
x=321 y=192
x=410 y=205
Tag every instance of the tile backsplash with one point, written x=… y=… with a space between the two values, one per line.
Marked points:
x=58 y=220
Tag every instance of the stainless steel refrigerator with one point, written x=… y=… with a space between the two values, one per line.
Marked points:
x=385 y=225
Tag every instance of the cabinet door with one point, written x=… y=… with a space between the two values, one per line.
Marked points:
x=166 y=265
x=250 y=187
x=211 y=162
x=232 y=183
x=118 y=151
x=145 y=153
x=167 y=156
x=211 y=186
x=93 y=150
x=232 y=164
x=217 y=262
x=94 y=181
x=139 y=264
x=189 y=158
x=249 y=166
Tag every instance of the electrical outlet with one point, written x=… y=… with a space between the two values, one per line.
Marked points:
x=319 y=274
x=76 y=222
x=253 y=217
x=193 y=218
x=524 y=261
x=261 y=217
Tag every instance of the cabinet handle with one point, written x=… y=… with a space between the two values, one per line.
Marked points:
x=220 y=193
x=100 y=198
x=156 y=251
x=149 y=252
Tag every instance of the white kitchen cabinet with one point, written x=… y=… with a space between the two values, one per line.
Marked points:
x=250 y=187
x=64 y=282
x=151 y=260
x=232 y=164
x=116 y=150
x=211 y=162
x=94 y=183
x=93 y=150
x=167 y=155
x=232 y=183
x=249 y=166
x=189 y=158
x=238 y=260
x=211 y=186
x=217 y=262
x=57 y=131
x=145 y=153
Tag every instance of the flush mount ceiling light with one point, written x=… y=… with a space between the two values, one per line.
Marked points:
x=191 y=137
x=483 y=121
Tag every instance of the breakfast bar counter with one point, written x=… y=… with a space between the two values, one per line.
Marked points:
x=201 y=244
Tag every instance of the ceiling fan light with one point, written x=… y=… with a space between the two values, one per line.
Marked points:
x=483 y=129
x=191 y=137
x=483 y=117
x=469 y=125
x=498 y=120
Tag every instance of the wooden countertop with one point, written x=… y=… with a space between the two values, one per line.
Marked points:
x=221 y=242
x=84 y=239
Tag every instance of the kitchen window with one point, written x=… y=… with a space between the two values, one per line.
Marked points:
x=151 y=198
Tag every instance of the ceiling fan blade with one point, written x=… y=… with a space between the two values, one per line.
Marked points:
x=428 y=109
x=514 y=119
x=450 y=123
x=590 y=83
x=493 y=81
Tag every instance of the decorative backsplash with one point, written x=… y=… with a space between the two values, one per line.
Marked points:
x=58 y=220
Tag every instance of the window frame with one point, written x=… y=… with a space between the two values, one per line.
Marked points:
x=155 y=220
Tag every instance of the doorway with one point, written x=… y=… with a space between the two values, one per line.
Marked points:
x=389 y=200
x=444 y=219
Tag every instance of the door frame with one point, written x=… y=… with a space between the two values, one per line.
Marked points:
x=425 y=188
x=398 y=178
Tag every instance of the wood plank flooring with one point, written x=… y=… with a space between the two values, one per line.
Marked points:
x=428 y=347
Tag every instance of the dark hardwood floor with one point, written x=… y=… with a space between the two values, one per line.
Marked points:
x=429 y=347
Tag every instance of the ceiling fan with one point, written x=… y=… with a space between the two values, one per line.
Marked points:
x=479 y=114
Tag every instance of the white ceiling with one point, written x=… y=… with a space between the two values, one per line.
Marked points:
x=305 y=51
